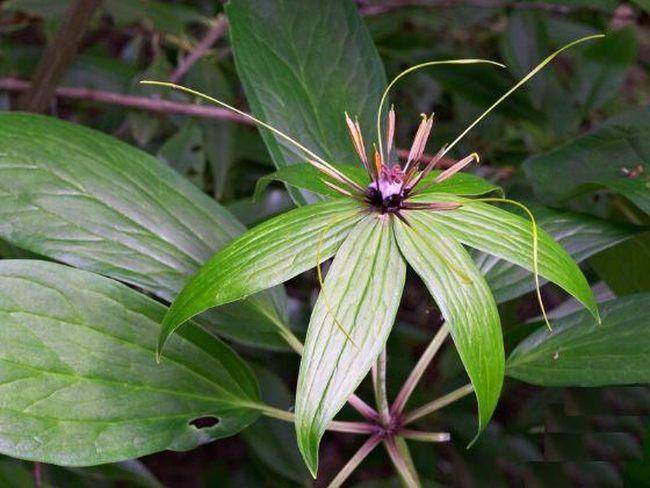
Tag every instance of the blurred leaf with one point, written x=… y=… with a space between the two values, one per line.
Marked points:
x=581 y=352
x=265 y=256
x=79 y=382
x=358 y=301
x=132 y=473
x=167 y=17
x=580 y=235
x=596 y=160
x=601 y=68
x=217 y=136
x=644 y=4
x=86 y=199
x=509 y=236
x=302 y=93
x=626 y=267
x=15 y=474
x=272 y=440
x=464 y=299
x=179 y=150
x=252 y=211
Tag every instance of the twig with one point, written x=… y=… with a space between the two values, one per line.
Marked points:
x=390 y=5
x=437 y=404
x=418 y=371
x=58 y=55
x=218 y=28
x=144 y=103
x=355 y=460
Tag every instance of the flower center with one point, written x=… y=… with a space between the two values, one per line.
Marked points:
x=387 y=193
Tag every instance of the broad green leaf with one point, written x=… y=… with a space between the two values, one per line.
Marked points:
x=306 y=176
x=626 y=267
x=265 y=256
x=598 y=160
x=302 y=94
x=81 y=197
x=581 y=352
x=349 y=326
x=79 y=384
x=580 y=235
x=465 y=302
x=509 y=236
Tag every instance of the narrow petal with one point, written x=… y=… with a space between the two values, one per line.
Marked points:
x=448 y=173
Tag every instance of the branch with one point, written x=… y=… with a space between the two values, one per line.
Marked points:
x=218 y=28
x=58 y=55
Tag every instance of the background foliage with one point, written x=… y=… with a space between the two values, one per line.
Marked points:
x=574 y=143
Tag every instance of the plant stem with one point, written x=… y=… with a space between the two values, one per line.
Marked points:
x=355 y=460
x=218 y=28
x=401 y=458
x=379 y=386
x=335 y=425
x=437 y=404
x=416 y=435
x=418 y=371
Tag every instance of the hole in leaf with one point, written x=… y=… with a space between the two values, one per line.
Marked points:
x=204 y=422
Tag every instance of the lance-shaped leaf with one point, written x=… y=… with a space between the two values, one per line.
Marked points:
x=302 y=94
x=581 y=352
x=307 y=177
x=265 y=256
x=78 y=381
x=465 y=302
x=84 y=198
x=580 y=235
x=349 y=326
x=510 y=237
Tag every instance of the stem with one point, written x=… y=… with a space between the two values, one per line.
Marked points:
x=355 y=460
x=400 y=457
x=218 y=28
x=335 y=425
x=418 y=371
x=38 y=474
x=437 y=404
x=379 y=386
x=416 y=435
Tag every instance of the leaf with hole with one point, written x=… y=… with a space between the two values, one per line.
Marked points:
x=78 y=378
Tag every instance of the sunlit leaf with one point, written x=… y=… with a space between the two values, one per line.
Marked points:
x=265 y=256
x=464 y=299
x=349 y=326
x=78 y=378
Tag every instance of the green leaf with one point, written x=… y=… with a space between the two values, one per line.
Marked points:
x=508 y=236
x=78 y=379
x=597 y=160
x=78 y=196
x=14 y=474
x=580 y=235
x=465 y=302
x=581 y=352
x=307 y=177
x=265 y=256
x=359 y=299
x=302 y=94
x=626 y=267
